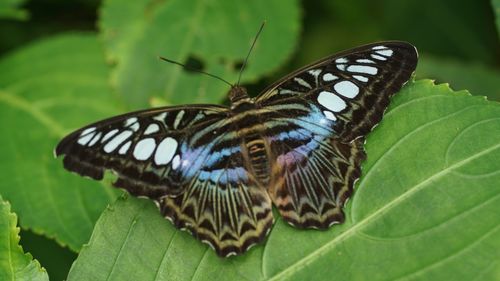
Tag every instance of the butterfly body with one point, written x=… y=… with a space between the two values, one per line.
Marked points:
x=216 y=171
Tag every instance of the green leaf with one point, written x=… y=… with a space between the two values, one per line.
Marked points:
x=476 y=77
x=14 y=263
x=9 y=9
x=218 y=33
x=496 y=9
x=426 y=208
x=47 y=90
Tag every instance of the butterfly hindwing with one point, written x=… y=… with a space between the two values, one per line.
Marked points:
x=317 y=177
x=146 y=149
x=224 y=207
x=321 y=114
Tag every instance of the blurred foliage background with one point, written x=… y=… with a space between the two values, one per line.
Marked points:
x=458 y=43
x=457 y=40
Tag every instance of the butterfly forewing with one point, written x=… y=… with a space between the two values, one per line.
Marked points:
x=151 y=151
x=352 y=88
x=321 y=114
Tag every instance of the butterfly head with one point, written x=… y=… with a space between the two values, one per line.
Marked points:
x=237 y=95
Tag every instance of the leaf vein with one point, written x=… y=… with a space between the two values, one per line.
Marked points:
x=300 y=264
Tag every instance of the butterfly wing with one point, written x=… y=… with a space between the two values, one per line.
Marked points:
x=320 y=115
x=189 y=160
x=351 y=88
x=223 y=206
x=153 y=151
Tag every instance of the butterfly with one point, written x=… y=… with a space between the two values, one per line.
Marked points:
x=216 y=171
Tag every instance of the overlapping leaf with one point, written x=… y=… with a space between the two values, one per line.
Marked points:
x=496 y=10
x=46 y=90
x=217 y=33
x=477 y=78
x=14 y=263
x=426 y=208
x=10 y=9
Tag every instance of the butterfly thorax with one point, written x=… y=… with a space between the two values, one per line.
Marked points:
x=237 y=96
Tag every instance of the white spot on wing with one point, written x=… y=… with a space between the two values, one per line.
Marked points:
x=176 y=162
x=135 y=127
x=363 y=69
x=165 y=151
x=347 y=89
x=341 y=60
x=88 y=130
x=109 y=134
x=130 y=121
x=386 y=53
x=86 y=138
x=314 y=72
x=329 y=77
x=341 y=63
x=379 y=47
x=116 y=141
x=178 y=118
x=377 y=57
x=361 y=78
x=152 y=128
x=160 y=117
x=331 y=101
x=329 y=115
x=95 y=139
x=124 y=148
x=302 y=82
x=144 y=148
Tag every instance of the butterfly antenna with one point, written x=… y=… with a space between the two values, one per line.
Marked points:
x=195 y=70
x=250 y=51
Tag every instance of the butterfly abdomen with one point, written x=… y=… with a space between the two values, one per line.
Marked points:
x=258 y=158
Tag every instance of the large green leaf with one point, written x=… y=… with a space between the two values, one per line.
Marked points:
x=427 y=208
x=14 y=263
x=218 y=33
x=46 y=90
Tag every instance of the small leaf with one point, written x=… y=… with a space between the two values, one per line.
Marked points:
x=14 y=263
x=443 y=30
x=216 y=33
x=47 y=90
x=496 y=9
x=56 y=260
x=426 y=208
x=479 y=79
x=10 y=10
